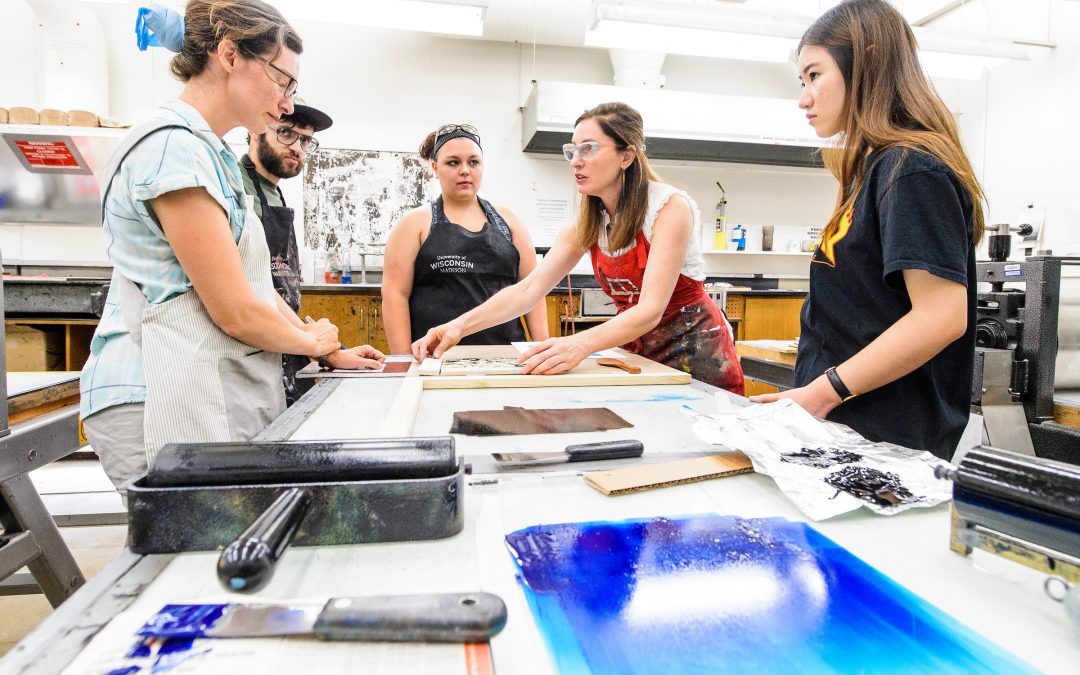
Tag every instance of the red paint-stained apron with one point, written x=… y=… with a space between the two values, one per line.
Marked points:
x=693 y=336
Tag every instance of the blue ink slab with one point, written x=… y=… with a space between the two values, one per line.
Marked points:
x=720 y=594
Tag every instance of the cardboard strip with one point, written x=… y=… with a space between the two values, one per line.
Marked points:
x=636 y=478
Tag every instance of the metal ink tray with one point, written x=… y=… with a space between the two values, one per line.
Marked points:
x=205 y=518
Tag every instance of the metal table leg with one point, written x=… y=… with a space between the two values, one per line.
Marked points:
x=54 y=568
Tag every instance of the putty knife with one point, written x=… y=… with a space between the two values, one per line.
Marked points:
x=585 y=452
x=449 y=617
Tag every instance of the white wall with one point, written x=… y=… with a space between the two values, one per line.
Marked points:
x=386 y=89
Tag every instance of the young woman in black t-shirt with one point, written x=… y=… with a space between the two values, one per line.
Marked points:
x=887 y=340
x=445 y=258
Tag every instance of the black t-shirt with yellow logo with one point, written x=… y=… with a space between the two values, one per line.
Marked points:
x=912 y=213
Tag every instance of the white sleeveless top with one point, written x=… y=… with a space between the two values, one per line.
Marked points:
x=659 y=194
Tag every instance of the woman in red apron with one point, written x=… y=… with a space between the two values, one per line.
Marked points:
x=643 y=238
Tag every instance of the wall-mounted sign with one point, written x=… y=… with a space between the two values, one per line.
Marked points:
x=47 y=154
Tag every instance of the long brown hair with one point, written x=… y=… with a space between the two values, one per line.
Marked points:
x=257 y=28
x=889 y=101
x=623 y=125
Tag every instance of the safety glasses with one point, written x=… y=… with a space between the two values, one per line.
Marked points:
x=447 y=129
x=585 y=151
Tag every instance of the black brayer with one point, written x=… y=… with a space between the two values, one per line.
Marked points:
x=247 y=564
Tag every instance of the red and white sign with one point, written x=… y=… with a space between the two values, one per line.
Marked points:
x=51 y=154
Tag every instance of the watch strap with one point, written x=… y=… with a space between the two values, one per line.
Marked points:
x=838 y=385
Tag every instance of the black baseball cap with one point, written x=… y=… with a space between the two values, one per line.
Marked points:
x=313 y=116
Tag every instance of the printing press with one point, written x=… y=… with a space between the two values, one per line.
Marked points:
x=1020 y=497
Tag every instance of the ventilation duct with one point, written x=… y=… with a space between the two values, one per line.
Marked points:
x=678 y=124
x=637 y=69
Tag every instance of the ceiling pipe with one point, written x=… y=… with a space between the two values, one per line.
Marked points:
x=637 y=69
x=75 y=59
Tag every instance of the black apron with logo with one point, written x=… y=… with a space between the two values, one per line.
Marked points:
x=457 y=270
x=285 y=269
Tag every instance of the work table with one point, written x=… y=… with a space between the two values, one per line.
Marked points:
x=1000 y=600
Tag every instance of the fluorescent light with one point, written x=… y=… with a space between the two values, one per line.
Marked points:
x=692 y=41
x=697 y=30
x=427 y=16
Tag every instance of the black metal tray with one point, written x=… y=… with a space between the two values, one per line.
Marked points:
x=177 y=519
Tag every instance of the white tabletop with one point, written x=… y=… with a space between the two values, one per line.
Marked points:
x=1002 y=601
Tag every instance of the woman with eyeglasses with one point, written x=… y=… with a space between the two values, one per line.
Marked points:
x=888 y=329
x=189 y=345
x=643 y=238
x=450 y=256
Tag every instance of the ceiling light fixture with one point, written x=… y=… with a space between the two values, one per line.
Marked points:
x=696 y=30
x=769 y=35
x=445 y=17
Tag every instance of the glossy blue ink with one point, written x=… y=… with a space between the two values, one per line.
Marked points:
x=175 y=652
x=153 y=654
x=719 y=594
x=182 y=621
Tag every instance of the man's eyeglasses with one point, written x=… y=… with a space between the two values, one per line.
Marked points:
x=586 y=150
x=448 y=129
x=287 y=136
x=289 y=87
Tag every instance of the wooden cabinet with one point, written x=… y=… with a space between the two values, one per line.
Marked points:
x=48 y=344
x=756 y=317
x=358 y=316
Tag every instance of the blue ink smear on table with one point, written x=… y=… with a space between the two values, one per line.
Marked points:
x=154 y=654
x=182 y=621
x=720 y=594
x=655 y=398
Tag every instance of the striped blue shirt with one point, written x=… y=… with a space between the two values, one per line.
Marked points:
x=165 y=161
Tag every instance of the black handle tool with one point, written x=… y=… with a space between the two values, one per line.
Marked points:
x=247 y=564
x=584 y=452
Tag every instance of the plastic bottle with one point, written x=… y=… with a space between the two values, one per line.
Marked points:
x=346 y=269
x=720 y=231
x=738 y=236
x=333 y=268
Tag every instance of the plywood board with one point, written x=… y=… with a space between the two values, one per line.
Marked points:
x=588 y=373
x=777 y=351
x=635 y=478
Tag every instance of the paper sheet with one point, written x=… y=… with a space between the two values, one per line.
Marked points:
x=313 y=369
x=767 y=432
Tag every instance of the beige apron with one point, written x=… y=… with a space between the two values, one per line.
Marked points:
x=201 y=384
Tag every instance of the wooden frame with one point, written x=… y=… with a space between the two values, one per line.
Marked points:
x=401 y=417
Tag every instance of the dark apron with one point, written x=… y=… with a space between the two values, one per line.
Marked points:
x=285 y=269
x=693 y=336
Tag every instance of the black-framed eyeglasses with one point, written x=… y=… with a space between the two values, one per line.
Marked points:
x=289 y=87
x=448 y=129
x=287 y=136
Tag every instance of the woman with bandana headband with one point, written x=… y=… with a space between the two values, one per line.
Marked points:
x=448 y=257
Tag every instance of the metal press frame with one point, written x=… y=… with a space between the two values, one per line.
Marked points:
x=31 y=538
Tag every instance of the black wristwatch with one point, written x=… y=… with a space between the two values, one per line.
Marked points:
x=324 y=360
x=838 y=385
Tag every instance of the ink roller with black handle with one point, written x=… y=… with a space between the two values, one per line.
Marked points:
x=248 y=563
x=257 y=463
